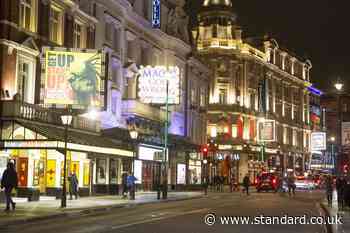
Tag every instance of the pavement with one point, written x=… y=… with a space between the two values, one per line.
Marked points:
x=189 y=216
x=334 y=211
x=50 y=208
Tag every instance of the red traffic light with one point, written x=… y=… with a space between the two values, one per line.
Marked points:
x=205 y=150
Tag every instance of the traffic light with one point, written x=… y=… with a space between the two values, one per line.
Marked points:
x=205 y=151
x=345 y=168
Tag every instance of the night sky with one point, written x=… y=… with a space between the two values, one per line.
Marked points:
x=317 y=30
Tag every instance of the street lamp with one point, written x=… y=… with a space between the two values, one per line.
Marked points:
x=339 y=87
x=134 y=135
x=66 y=121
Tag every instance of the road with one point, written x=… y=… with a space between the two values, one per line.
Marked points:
x=188 y=216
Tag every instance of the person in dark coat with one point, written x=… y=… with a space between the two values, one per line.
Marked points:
x=246 y=184
x=291 y=184
x=73 y=186
x=124 y=184
x=340 y=186
x=9 y=181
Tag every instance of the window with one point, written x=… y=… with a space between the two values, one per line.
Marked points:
x=25 y=80
x=116 y=41
x=56 y=24
x=193 y=96
x=223 y=96
x=109 y=32
x=78 y=35
x=27 y=15
x=202 y=98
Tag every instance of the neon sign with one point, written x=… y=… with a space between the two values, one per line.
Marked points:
x=156 y=13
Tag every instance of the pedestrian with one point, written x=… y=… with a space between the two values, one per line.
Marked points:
x=73 y=186
x=291 y=185
x=131 y=185
x=9 y=181
x=124 y=184
x=329 y=190
x=205 y=184
x=340 y=187
x=246 y=184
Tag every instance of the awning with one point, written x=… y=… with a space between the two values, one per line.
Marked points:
x=77 y=140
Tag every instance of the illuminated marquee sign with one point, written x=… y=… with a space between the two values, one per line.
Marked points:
x=318 y=141
x=152 y=84
x=156 y=13
x=74 y=77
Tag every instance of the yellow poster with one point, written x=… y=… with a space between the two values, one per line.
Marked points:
x=51 y=173
x=86 y=174
x=73 y=78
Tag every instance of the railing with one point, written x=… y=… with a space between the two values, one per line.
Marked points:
x=32 y=112
x=143 y=110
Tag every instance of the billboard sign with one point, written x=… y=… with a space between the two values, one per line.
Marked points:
x=73 y=77
x=345 y=129
x=318 y=141
x=266 y=130
x=152 y=84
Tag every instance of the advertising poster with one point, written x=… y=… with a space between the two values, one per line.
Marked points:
x=266 y=130
x=73 y=78
x=318 y=141
x=181 y=173
x=346 y=134
x=152 y=84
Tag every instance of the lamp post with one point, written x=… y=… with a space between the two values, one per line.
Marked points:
x=133 y=134
x=339 y=87
x=66 y=121
x=332 y=139
x=165 y=180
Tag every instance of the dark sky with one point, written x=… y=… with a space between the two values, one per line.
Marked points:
x=316 y=29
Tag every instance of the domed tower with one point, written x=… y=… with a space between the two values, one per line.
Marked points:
x=217 y=26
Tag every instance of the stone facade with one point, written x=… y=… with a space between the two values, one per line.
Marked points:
x=255 y=80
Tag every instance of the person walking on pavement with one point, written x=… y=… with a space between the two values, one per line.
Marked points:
x=340 y=187
x=73 y=186
x=131 y=185
x=9 y=181
x=124 y=184
x=246 y=183
x=329 y=190
x=291 y=185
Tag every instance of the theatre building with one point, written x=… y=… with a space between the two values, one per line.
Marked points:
x=32 y=133
x=258 y=114
x=85 y=59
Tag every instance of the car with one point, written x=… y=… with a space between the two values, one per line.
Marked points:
x=303 y=183
x=266 y=182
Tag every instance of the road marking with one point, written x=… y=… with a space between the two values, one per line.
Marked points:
x=159 y=218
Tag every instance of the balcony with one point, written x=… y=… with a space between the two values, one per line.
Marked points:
x=19 y=110
x=135 y=107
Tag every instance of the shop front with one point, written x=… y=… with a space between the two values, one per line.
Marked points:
x=39 y=161
x=148 y=167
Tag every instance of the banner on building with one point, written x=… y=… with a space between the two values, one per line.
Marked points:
x=318 y=141
x=74 y=78
x=345 y=128
x=152 y=85
x=266 y=130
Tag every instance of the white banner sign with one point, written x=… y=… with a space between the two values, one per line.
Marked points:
x=152 y=84
x=318 y=141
